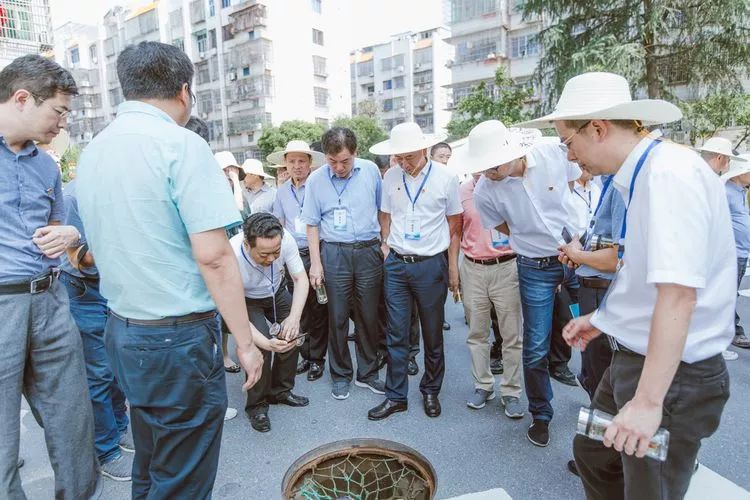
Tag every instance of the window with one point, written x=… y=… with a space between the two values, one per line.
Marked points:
x=392 y=62
x=75 y=57
x=387 y=84
x=523 y=46
x=370 y=89
x=387 y=104
x=518 y=5
x=317 y=6
x=211 y=8
x=252 y=35
x=179 y=43
x=321 y=97
x=464 y=10
x=225 y=3
x=398 y=82
x=319 y=66
x=205 y=102
x=422 y=56
x=212 y=39
x=175 y=20
x=366 y=68
x=425 y=122
x=476 y=49
x=317 y=37
x=201 y=40
x=93 y=52
x=226 y=32
x=109 y=47
x=203 y=74
x=246 y=71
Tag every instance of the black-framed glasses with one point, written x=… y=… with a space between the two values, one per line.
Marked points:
x=62 y=113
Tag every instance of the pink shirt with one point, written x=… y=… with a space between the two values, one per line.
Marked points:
x=477 y=241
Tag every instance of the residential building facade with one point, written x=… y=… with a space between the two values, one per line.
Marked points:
x=25 y=28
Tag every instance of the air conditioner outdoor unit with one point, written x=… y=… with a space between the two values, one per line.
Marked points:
x=204 y=115
x=371 y=74
x=449 y=63
x=202 y=55
x=417 y=66
x=429 y=106
x=232 y=76
x=85 y=83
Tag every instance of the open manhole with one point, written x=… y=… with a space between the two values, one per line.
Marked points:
x=360 y=469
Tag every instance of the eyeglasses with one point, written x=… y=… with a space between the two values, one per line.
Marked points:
x=192 y=95
x=61 y=113
x=566 y=143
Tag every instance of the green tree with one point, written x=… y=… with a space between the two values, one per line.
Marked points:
x=704 y=117
x=507 y=105
x=69 y=161
x=275 y=138
x=366 y=129
x=655 y=44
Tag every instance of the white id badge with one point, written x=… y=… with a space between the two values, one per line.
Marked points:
x=339 y=219
x=499 y=239
x=413 y=228
x=299 y=226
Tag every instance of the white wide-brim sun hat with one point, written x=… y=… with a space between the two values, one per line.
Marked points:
x=489 y=145
x=255 y=167
x=738 y=166
x=604 y=96
x=226 y=159
x=722 y=146
x=406 y=138
x=296 y=146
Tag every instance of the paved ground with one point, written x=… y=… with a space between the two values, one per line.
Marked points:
x=472 y=451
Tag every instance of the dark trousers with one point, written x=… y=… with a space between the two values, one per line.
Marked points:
x=173 y=377
x=741 y=265
x=89 y=310
x=559 y=350
x=692 y=409
x=314 y=321
x=354 y=282
x=279 y=368
x=414 y=333
x=426 y=284
x=598 y=355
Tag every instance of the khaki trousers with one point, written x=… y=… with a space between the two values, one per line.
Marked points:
x=485 y=287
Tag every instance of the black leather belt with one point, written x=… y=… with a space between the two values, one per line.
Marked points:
x=545 y=261
x=490 y=262
x=598 y=283
x=168 y=321
x=616 y=346
x=355 y=244
x=304 y=251
x=38 y=284
x=411 y=259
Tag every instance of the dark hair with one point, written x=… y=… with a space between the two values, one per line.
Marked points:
x=315 y=146
x=382 y=161
x=440 y=145
x=261 y=225
x=336 y=139
x=198 y=126
x=153 y=70
x=40 y=76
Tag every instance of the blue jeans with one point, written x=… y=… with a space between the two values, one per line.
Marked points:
x=538 y=280
x=89 y=311
x=173 y=376
x=423 y=285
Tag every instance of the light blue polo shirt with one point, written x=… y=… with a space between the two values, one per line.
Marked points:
x=144 y=185
x=288 y=205
x=30 y=197
x=359 y=195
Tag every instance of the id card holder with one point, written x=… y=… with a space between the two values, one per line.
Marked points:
x=413 y=228
x=499 y=240
x=339 y=219
x=299 y=226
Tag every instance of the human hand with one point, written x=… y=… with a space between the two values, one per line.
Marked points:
x=569 y=253
x=251 y=360
x=385 y=249
x=454 y=281
x=579 y=332
x=316 y=274
x=633 y=427
x=54 y=240
x=289 y=328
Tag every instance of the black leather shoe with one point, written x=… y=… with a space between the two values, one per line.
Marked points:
x=386 y=409
x=413 y=367
x=538 y=433
x=260 y=422
x=431 y=405
x=316 y=371
x=572 y=467
x=563 y=375
x=303 y=366
x=289 y=399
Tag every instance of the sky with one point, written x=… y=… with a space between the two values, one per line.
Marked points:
x=375 y=20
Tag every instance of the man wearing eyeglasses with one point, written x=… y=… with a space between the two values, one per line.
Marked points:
x=42 y=353
x=525 y=193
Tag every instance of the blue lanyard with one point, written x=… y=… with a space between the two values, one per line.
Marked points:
x=638 y=166
x=346 y=184
x=601 y=200
x=273 y=293
x=421 y=186
x=294 y=193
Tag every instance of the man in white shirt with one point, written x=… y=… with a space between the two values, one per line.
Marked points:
x=525 y=193
x=419 y=221
x=586 y=195
x=669 y=311
x=258 y=195
x=262 y=251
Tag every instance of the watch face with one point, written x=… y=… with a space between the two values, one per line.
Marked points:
x=275 y=330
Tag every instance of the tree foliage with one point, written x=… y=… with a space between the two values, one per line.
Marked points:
x=706 y=116
x=367 y=130
x=69 y=161
x=655 y=44
x=507 y=105
x=275 y=138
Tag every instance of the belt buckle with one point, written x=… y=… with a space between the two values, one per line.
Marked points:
x=409 y=259
x=43 y=283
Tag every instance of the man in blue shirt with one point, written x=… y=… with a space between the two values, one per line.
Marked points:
x=155 y=207
x=299 y=161
x=737 y=181
x=341 y=210
x=41 y=355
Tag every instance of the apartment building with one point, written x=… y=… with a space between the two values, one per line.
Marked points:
x=25 y=28
x=404 y=79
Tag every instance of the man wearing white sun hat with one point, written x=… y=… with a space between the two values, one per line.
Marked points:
x=737 y=180
x=717 y=151
x=420 y=220
x=257 y=193
x=525 y=193
x=668 y=313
